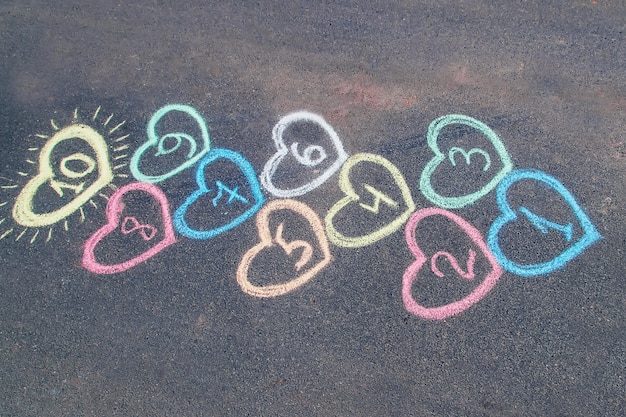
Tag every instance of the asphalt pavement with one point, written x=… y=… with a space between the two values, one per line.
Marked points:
x=312 y=208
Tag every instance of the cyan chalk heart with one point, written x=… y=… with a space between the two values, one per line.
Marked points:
x=318 y=162
x=130 y=225
x=158 y=143
x=411 y=273
x=370 y=202
x=469 y=156
x=576 y=247
x=226 y=194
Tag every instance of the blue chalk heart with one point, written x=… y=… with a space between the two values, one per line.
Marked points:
x=222 y=192
x=576 y=247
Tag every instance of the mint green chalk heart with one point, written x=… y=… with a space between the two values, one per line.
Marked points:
x=462 y=200
x=158 y=144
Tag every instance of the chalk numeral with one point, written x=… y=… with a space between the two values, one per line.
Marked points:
x=308 y=157
x=58 y=186
x=468 y=274
x=467 y=155
x=378 y=197
x=131 y=224
x=233 y=194
x=544 y=225
x=289 y=247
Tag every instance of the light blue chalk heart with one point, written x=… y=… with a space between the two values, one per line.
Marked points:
x=222 y=194
x=576 y=247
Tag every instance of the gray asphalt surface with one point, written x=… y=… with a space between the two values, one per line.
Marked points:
x=177 y=335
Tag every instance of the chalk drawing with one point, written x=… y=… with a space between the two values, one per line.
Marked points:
x=82 y=175
x=468 y=156
x=159 y=143
x=468 y=275
x=289 y=247
x=544 y=225
x=433 y=135
x=130 y=225
x=370 y=202
x=65 y=178
x=252 y=203
x=267 y=241
x=310 y=158
x=233 y=194
x=379 y=197
x=588 y=237
x=411 y=273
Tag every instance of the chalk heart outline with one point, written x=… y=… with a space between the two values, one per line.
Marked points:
x=23 y=210
x=267 y=241
x=411 y=273
x=114 y=212
x=154 y=139
x=434 y=129
x=248 y=171
x=352 y=196
x=590 y=233
x=282 y=151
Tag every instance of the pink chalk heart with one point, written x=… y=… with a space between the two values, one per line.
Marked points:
x=464 y=269
x=129 y=225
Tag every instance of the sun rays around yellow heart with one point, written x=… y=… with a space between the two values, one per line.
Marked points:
x=73 y=167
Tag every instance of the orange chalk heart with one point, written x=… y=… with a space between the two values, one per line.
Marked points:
x=267 y=241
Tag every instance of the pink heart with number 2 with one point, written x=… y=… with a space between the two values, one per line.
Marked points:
x=411 y=273
x=128 y=226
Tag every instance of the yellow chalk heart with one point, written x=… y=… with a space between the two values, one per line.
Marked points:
x=376 y=197
x=23 y=210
